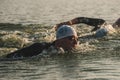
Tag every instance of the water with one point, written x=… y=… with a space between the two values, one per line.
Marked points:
x=95 y=59
x=69 y=67
x=55 y=11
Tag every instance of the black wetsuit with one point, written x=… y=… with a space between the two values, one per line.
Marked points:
x=91 y=21
x=31 y=50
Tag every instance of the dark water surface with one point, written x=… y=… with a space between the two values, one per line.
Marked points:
x=96 y=59
x=67 y=67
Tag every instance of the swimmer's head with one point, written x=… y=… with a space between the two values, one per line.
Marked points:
x=65 y=31
x=66 y=37
x=101 y=33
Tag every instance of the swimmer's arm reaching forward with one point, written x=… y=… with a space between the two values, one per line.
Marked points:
x=89 y=21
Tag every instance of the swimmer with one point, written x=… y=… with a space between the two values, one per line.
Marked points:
x=101 y=28
x=66 y=37
x=66 y=40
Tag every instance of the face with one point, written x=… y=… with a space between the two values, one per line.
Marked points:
x=67 y=43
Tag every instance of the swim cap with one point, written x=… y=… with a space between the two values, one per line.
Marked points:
x=65 y=31
x=101 y=33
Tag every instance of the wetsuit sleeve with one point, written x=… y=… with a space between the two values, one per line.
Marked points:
x=89 y=21
x=29 y=51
